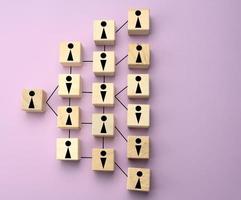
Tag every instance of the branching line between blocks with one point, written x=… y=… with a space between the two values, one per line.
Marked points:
x=121 y=60
x=120 y=133
x=121 y=103
x=52 y=93
x=121 y=26
x=121 y=169
x=51 y=109
x=121 y=91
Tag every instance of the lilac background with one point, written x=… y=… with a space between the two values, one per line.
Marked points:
x=195 y=98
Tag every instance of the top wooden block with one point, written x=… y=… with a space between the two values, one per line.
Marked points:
x=104 y=32
x=71 y=54
x=138 y=21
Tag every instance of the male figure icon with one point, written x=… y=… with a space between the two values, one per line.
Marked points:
x=103 y=60
x=68 y=83
x=103 y=158
x=138 y=113
x=103 y=91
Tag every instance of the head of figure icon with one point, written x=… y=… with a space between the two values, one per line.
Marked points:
x=68 y=78
x=70 y=45
x=67 y=143
x=138 y=78
x=103 y=55
x=139 y=174
x=103 y=86
x=138 y=140
x=138 y=13
x=103 y=118
x=31 y=93
x=103 y=153
x=69 y=110
x=103 y=23
x=138 y=108
x=138 y=47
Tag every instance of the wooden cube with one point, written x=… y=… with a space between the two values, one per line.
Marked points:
x=138 y=147
x=67 y=149
x=138 y=21
x=33 y=100
x=103 y=160
x=138 y=116
x=71 y=54
x=103 y=125
x=139 y=179
x=68 y=117
x=103 y=94
x=104 y=63
x=138 y=86
x=104 y=32
x=139 y=56
x=70 y=85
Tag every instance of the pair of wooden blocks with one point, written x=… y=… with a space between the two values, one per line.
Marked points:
x=104 y=159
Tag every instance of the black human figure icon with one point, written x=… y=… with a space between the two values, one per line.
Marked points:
x=103 y=34
x=138 y=183
x=67 y=144
x=138 y=88
x=138 y=58
x=70 y=56
x=31 y=104
x=68 y=121
x=138 y=23
x=138 y=146
x=103 y=128
x=68 y=83
x=138 y=113
x=103 y=60
x=103 y=158
x=103 y=91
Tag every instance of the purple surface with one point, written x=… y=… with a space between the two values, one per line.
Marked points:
x=195 y=99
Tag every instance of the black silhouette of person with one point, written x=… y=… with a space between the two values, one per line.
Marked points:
x=103 y=158
x=103 y=128
x=68 y=121
x=138 y=113
x=138 y=146
x=138 y=87
x=103 y=60
x=103 y=91
x=138 y=183
x=70 y=56
x=67 y=144
x=31 y=104
x=103 y=34
x=138 y=58
x=68 y=83
x=138 y=23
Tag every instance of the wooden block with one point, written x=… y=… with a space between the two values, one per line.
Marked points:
x=70 y=85
x=139 y=179
x=138 y=116
x=103 y=94
x=139 y=56
x=103 y=160
x=138 y=147
x=68 y=149
x=138 y=86
x=138 y=21
x=104 y=63
x=33 y=100
x=68 y=117
x=71 y=54
x=103 y=125
x=104 y=32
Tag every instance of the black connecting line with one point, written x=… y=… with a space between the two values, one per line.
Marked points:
x=88 y=61
x=87 y=157
x=121 y=91
x=121 y=169
x=50 y=98
x=121 y=102
x=121 y=133
x=104 y=47
x=121 y=60
x=121 y=26
x=86 y=122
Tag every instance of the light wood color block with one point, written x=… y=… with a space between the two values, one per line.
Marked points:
x=71 y=54
x=104 y=63
x=104 y=32
x=103 y=125
x=68 y=117
x=70 y=85
x=138 y=21
x=68 y=149
x=139 y=56
x=103 y=160
x=138 y=147
x=138 y=86
x=138 y=116
x=139 y=179
x=103 y=94
x=33 y=100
